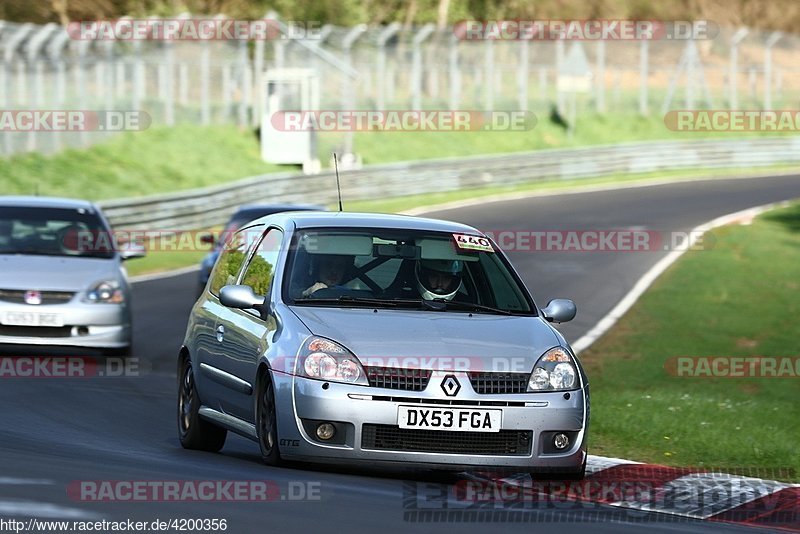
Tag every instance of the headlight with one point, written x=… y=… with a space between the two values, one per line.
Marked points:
x=107 y=292
x=555 y=371
x=324 y=359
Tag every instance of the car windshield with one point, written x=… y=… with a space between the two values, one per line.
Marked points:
x=54 y=232
x=401 y=268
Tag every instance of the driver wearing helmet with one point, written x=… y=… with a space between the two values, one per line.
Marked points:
x=438 y=279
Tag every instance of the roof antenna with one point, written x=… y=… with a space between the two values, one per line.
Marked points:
x=338 y=187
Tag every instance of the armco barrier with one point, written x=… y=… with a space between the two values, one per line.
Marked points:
x=205 y=207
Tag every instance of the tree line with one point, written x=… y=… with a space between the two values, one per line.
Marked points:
x=765 y=14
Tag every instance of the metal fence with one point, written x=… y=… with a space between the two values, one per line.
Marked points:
x=207 y=207
x=213 y=82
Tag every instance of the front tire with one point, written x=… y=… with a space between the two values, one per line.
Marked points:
x=266 y=422
x=194 y=432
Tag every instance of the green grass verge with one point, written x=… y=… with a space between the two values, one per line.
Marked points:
x=741 y=297
x=161 y=160
x=162 y=261
x=133 y=164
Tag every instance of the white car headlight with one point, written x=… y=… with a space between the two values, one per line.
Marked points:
x=107 y=292
x=324 y=359
x=554 y=371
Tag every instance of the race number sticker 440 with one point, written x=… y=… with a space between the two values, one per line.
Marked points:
x=473 y=242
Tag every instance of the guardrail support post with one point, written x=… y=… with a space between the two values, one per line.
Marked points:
x=523 y=74
x=733 y=67
x=600 y=78
x=772 y=40
x=416 y=64
x=380 y=77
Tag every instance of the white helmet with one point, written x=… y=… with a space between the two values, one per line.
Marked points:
x=438 y=279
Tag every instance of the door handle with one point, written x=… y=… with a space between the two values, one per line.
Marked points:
x=220 y=333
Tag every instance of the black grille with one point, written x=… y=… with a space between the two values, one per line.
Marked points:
x=497 y=383
x=35 y=331
x=398 y=378
x=393 y=438
x=48 y=297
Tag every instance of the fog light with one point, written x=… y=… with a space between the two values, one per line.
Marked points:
x=325 y=431
x=561 y=441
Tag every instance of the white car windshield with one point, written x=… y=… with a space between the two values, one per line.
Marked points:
x=54 y=232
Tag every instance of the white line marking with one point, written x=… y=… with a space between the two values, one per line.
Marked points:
x=12 y=481
x=595 y=464
x=658 y=269
x=43 y=509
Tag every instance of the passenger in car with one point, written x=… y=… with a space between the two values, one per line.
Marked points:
x=331 y=271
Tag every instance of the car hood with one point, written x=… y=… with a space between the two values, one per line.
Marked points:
x=54 y=273
x=431 y=339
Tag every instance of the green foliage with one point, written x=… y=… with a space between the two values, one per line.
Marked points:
x=226 y=270
x=259 y=275
x=775 y=14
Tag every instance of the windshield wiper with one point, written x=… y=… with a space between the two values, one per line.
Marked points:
x=347 y=300
x=443 y=305
x=469 y=306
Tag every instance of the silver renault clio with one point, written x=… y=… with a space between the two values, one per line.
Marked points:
x=369 y=339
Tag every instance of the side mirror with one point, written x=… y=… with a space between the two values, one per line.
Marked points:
x=560 y=311
x=132 y=253
x=208 y=239
x=240 y=297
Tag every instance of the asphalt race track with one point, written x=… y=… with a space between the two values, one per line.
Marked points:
x=57 y=432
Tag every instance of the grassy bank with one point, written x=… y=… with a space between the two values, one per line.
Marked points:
x=160 y=160
x=741 y=298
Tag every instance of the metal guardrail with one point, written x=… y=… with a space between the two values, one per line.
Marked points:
x=206 y=207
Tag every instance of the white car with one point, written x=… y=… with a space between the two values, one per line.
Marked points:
x=61 y=278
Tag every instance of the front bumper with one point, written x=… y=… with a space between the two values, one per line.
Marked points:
x=87 y=325
x=360 y=408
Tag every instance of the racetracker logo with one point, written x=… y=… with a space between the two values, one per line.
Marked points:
x=66 y=367
x=733 y=366
x=403 y=121
x=213 y=29
x=193 y=491
x=60 y=120
x=610 y=240
x=733 y=120
x=415 y=366
x=584 y=30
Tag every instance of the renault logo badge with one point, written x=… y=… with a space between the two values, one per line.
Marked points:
x=450 y=386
